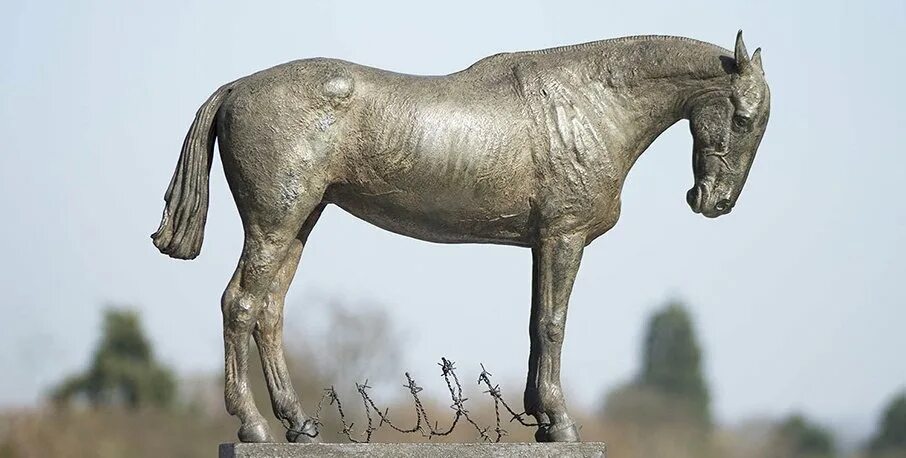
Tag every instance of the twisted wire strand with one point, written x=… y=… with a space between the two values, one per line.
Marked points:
x=423 y=424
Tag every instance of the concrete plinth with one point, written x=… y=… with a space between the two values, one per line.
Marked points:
x=426 y=450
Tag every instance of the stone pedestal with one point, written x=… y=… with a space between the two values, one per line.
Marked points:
x=422 y=450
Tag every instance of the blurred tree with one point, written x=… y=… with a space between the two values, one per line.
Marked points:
x=672 y=361
x=797 y=437
x=891 y=437
x=123 y=370
x=665 y=411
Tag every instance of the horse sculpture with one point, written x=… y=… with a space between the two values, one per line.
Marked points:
x=528 y=149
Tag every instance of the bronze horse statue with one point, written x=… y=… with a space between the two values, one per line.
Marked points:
x=528 y=149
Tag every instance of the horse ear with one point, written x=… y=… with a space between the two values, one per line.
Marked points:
x=741 y=55
x=756 y=60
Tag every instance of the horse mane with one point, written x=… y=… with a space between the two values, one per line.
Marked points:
x=605 y=50
x=598 y=43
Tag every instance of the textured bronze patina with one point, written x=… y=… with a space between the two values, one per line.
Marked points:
x=528 y=149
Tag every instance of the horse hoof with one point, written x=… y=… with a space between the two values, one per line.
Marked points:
x=307 y=435
x=568 y=433
x=255 y=432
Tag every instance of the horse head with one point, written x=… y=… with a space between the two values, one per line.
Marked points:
x=727 y=126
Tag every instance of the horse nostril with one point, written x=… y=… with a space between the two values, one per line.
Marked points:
x=723 y=204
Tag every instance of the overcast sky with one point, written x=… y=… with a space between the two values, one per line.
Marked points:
x=798 y=295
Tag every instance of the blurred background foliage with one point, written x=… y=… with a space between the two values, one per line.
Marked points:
x=126 y=403
x=122 y=371
x=797 y=436
x=890 y=440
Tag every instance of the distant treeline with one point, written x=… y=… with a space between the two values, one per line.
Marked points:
x=126 y=403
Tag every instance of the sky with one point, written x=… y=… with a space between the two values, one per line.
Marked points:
x=797 y=295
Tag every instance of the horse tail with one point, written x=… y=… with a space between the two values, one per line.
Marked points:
x=181 y=230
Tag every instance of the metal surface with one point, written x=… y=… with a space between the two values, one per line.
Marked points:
x=528 y=149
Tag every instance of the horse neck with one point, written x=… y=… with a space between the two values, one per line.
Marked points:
x=640 y=113
x=645 y=84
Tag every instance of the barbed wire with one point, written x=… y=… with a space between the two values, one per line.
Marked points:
x=422 y=424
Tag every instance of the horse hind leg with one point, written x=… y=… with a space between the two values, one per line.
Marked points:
x=240 y=306
x=266 y=247
x=268 y=335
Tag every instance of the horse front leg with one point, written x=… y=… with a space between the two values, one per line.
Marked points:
x=556 y=261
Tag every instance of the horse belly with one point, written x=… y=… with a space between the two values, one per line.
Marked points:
x=443 y=186
x=440 y=219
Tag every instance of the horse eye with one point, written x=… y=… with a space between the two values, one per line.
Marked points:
x=740 y=121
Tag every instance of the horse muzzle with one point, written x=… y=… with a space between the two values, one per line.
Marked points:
x=701 y=201
x=694 y=198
